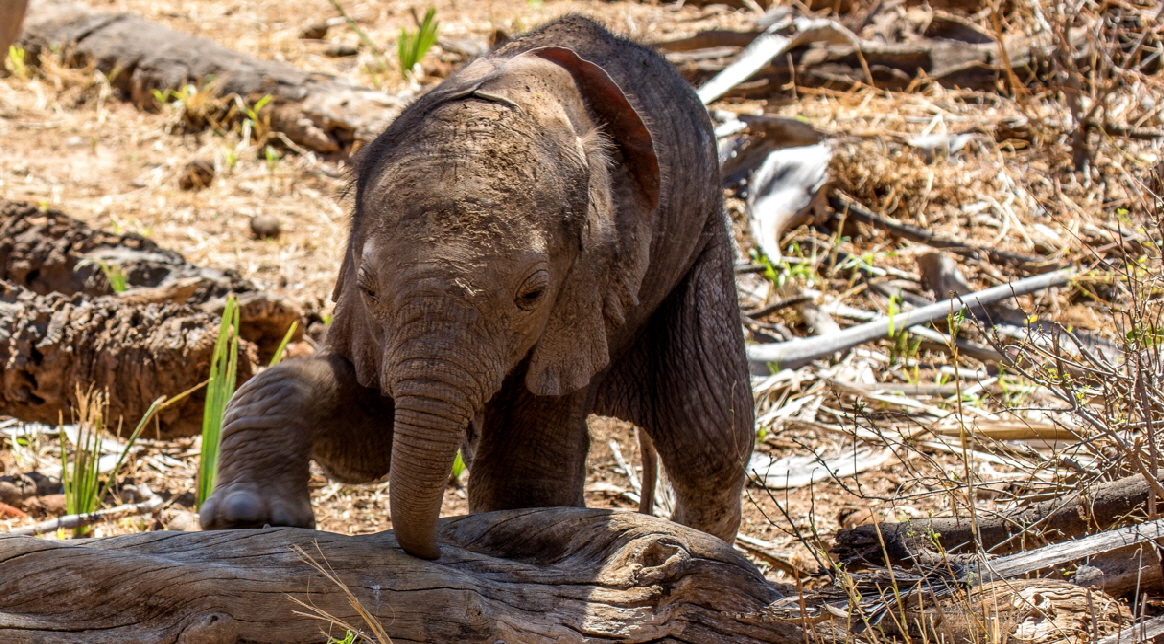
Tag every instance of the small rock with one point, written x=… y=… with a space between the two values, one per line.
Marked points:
x=74 y=142
x=266 y=227
x=179 y=519
x=46 y=484
x=315 y=31
x=50 y=504
x=341 y=51
x=196 y=175
x=11 y=493
x=129 y=494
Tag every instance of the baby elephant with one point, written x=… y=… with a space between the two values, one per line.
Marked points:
x=539 y=238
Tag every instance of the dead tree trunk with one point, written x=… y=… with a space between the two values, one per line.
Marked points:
x=530 y=576
x=46 y=251
x=315 y=111
x=51 y=343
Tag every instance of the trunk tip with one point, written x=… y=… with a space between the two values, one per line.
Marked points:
x=422 y=548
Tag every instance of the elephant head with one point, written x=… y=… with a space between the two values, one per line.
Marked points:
x=501 y=229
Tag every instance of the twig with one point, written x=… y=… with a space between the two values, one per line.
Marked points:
x=74 y=521
x=798 y=353
x=842 y=203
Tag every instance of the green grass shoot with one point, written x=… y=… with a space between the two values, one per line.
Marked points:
x=81 y=474
x=458 y=466
x=275 y=359
x=412 y=47
x=16 y=62
x=116 y=277
x=79 y=470
x=223 y=369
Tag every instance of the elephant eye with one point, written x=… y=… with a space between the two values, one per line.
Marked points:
x=532 y=290
x=362 y=283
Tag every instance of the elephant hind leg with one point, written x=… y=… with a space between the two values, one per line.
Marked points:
x=686 y=382
x=276 y=423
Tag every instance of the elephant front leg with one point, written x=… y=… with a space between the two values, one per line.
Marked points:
x=686 y=383
x=276 y=423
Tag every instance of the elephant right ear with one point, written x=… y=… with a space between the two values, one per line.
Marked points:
x=603 y=284
x=351 y=334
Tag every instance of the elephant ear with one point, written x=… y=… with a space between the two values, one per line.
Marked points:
x=618 y=118
x=351 y=334
x=603 y=283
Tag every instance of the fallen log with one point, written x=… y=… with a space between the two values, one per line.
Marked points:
x=1100 y=508
x=46 y=251
x=50 y=344
x=536 y=575
x=313 y=110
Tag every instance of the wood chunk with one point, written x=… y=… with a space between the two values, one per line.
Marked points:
x=11 y=19
x=50 y=343
x=196 y=175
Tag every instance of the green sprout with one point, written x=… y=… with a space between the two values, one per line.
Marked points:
x=223 y=370
x=116 y=277
x=412 y=47
x=80 y=474
x=283 y=344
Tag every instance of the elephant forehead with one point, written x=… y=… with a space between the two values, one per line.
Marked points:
x=470 y=241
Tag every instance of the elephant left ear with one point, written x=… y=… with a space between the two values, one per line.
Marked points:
x=619 y=119
x=604 y=281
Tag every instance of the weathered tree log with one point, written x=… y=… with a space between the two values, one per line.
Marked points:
x=315 y=111
x=529 y=576
x=50 y=344
x=45 y=251
x=1103 y=507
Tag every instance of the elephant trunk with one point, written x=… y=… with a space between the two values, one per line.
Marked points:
x=435 y=400
x=427 y=435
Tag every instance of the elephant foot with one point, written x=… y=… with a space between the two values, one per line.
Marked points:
x=244 y=505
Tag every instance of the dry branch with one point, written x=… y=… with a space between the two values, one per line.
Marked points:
x=315 y=111
x=1100 y=508
x=530 y=576
x=797 y=353
x=73 y=521
x=850 y=209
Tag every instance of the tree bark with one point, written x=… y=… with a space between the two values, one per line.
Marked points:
x=315 y=111
x=530 y=576
x=50 y=344
x=45 y=251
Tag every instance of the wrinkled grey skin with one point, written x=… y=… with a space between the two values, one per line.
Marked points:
x=539 y=238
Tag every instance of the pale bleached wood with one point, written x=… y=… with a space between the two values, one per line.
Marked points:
x=521 y=576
